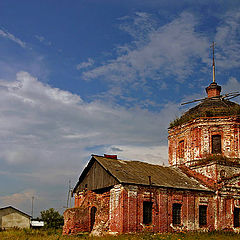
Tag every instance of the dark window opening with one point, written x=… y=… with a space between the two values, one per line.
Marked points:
x=176 y=214
x=181 y=149
x=93 y=215
x=102 y=190
x=236 y=217
x=222 y=173
x=202 y=216
x=147 y=212
x=216 y=144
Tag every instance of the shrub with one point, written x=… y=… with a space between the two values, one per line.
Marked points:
x=52 y=218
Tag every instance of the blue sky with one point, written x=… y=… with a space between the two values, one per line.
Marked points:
x=101 y=76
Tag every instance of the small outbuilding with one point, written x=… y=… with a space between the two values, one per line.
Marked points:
x=11 y=217
x=36 y=224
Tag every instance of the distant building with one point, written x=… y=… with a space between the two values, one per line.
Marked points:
x=37 y=223
x=11 y=217
x=200 y=190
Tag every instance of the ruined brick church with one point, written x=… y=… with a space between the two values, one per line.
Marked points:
x=199 y=190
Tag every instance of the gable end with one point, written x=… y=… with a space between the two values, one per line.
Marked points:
x=95 y=177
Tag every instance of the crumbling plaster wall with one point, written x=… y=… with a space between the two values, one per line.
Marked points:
x=197 y=139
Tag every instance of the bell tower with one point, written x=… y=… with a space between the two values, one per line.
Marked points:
x=208 y=132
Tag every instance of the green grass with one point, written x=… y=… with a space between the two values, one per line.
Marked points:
x=57 y=235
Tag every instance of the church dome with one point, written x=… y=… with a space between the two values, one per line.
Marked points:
x=215 y=105
x=209 y=108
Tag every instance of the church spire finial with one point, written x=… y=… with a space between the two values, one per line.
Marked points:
x=213 y=90
x=213 y=65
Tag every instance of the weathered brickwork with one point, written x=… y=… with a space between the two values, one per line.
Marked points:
x=163 y=200
x=126 y=210
x=216 y=171
x=197 y=138
x=204 y=147
x=78 y=219
x=121 y=209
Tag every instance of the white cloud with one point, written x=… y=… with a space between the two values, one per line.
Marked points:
x=48 y=134
x=228 y=43
x=40 y=38
x=10 y=36
x=18 y=200
x=232 y=85
x=87 y=64
x=153 y=154
x=30 y=90
x=50 y=130
x=43 y=40
x=26 y=199
x=156 y=52
x=163 y=55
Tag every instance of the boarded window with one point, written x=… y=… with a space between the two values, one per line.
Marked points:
x=202 y=216
x=216 y=144
x=236 y=217
x=147 y=212
x=181 y=149
x=176 y=214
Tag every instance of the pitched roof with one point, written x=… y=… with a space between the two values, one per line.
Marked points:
x=16 y=210
x=209 y=182
x=136 y=172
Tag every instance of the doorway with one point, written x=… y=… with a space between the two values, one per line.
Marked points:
x=92 y=217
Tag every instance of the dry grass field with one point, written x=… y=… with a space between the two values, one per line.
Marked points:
x=56 y=235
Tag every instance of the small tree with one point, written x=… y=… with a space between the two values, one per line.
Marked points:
x=52 y=218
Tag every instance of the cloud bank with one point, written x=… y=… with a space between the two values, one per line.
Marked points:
x=48 y=135
x=160 y=56
x=155 y=52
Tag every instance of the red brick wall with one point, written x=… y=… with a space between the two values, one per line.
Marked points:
x=77 y=219
x=121 y=210
x=128 y=216
x=197 y=139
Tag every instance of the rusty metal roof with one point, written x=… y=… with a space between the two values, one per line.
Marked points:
x=136 y=172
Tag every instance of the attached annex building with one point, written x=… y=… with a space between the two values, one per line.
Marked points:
x=199 y=190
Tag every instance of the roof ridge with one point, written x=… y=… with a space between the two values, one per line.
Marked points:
x=154 y=164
